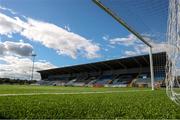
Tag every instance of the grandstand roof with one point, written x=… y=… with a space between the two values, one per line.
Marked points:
x=159 y=59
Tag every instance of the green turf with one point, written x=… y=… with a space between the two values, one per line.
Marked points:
x=144 y=104
x=12 y=89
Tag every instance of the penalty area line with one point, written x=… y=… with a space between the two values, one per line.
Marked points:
x=72 y=93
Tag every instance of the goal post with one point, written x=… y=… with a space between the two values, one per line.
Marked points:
x=151 y=67
x=130 y=29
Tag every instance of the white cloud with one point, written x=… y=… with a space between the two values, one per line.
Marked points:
x=105 y=49
x=16 y=67
x=127 y=41
x=13 y=63
x=62 y=41
x=137 y=46
x=7 y=9
x=106 y=37
x=139 y=49
x=110 y=46
x=50 y=35
x=17 y=48
x=8 y=25
x=130 y=53
x=67 y=28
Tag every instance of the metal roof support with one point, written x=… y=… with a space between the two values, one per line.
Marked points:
x=145 y=60
x=140 y=65
x=67 y=71
x=107 y=66
x=80 y=68
x=75 y=69
x=111 y=68
x=125 y=67
x=151 y=67
x=95 y=67
x=87 y=66
x=137 y=62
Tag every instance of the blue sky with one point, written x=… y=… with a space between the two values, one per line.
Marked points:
x=78 y=21
x=83 y=18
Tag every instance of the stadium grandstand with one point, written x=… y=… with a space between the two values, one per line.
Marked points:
x=124 y=72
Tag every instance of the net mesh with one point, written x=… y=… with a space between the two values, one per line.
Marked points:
x=157 y=21
x=173 y=63
x=147 y=17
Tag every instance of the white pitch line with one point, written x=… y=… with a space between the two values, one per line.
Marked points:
x=70 y=93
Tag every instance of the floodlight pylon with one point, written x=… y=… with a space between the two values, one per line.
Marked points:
x=33 y=60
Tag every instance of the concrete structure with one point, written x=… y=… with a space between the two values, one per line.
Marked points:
x=131 y=71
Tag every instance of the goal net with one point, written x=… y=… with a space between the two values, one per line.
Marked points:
x=157 y=22
x=173 y=40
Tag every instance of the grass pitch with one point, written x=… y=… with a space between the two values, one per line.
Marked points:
x=113 y=103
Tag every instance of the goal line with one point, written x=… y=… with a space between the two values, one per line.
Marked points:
x=72 y=93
